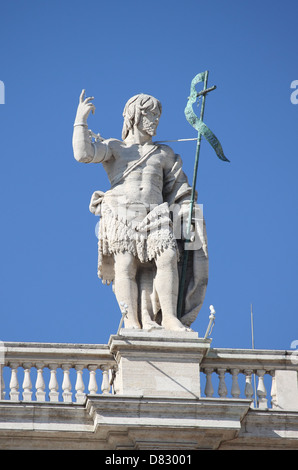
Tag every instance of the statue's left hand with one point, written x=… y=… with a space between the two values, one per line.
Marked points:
x=84 y=108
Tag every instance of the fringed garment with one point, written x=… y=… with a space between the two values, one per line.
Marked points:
x=145 y=238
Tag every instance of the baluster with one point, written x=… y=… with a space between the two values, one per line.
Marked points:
x=235 y=386
x=209 y=391
x=105 y=386
x=80 y=395
x=2 y=365
x=222 y=388
x=274 y=403
x=66 y=384
x=113 y=382
x=2 y=384
x=27 y=384
x=248 y=386
x=92 y=386
x=40 y=385
x=14 y=383
x=261 y=390
x=53 y=384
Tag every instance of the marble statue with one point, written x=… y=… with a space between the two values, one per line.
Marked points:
x=140 y=237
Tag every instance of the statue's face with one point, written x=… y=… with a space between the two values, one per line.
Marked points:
x=149 y=121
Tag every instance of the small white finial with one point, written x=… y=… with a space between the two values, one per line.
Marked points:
x=212 y=310
x=211 y=321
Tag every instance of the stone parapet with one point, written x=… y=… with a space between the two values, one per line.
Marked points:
x=154 y=390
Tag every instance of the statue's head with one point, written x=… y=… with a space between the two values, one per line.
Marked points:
x=142 y=110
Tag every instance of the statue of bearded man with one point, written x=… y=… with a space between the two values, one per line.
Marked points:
x=140 y=245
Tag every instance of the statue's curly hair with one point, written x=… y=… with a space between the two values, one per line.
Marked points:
x=136 y=106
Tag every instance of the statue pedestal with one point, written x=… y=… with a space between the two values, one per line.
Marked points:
x=158 y=363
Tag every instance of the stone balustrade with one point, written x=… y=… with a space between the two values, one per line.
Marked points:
x=267 y=377
x=54 y=372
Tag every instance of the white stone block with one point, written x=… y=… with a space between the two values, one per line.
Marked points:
x=160 y=363
x=287 y=389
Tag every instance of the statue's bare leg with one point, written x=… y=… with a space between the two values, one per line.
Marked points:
x=126 y=289
x=167 y=285
x=145 y=290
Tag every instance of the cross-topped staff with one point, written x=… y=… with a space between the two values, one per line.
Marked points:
x=203 y=130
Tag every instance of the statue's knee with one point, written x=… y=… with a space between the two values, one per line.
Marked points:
x=167 y=259
x=125 y=266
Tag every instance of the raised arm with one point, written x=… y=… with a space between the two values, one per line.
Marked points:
x=84 y=150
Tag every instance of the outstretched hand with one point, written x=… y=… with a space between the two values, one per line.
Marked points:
x=84 y=108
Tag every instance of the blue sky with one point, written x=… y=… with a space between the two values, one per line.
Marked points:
x=50 y=50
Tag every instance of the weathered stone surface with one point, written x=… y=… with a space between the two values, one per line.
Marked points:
x=159 y=363
x=142 y=423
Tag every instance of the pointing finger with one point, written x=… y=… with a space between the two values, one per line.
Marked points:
x=82 y=96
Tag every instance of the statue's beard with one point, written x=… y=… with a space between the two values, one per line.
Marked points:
x=148 y=127
x=151 y=130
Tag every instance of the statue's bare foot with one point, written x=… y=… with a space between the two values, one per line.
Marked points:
x=130 y=325
x=173 y=324
x=151 y=325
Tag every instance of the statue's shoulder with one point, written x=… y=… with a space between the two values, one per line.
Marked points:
x=113 y=143
x=166 y=149
x=171 y=156
x=114 y=146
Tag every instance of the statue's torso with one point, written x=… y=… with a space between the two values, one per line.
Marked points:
x=144 y=183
